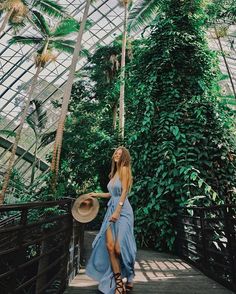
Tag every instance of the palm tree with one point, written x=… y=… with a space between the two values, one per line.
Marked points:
x=46 y=42
x=37 y=121
x=142 y=13
x=17 y=10
x=122 y=75
x=66 y=99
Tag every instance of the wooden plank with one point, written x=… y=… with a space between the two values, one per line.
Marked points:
x=158 y=273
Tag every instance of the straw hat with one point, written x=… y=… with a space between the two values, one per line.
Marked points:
x=85 y=208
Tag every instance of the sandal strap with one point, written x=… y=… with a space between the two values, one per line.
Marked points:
x=119 y=282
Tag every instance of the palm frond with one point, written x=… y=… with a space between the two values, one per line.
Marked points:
x=65 y=27
x=68 y=26
x=40 y=22
x=8 y=133
x=25 y=40
x=50 y=7
x=84 y=52
x=63 y=45
x=142 y=13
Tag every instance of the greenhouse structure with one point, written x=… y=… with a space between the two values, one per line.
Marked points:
x=117 y=146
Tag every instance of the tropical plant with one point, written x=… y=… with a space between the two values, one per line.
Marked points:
x=104 y=70
x=221 y=16
x=47 y=41
x=223 y=11
x=66 y=99
x=18 y=10
x=182 y=139
x=143 y=13
x=218 y=36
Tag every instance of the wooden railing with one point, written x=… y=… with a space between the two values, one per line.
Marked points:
x=39 y=249
x=206 y=236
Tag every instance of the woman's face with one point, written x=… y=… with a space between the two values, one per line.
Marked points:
x=117 y=155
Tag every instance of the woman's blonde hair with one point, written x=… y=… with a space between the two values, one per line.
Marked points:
x=125 y=160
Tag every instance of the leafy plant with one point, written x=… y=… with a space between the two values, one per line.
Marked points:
x=182 y=139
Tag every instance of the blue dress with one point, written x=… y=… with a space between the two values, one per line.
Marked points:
x=99 y=266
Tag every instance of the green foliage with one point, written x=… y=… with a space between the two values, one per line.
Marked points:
x=84 y=166
x=222 y=10
x=40 y=22
x=180 y=133
x=142 y=13
x=50 y=7
x=49 y=38
x=89 y=136
x=181 y=139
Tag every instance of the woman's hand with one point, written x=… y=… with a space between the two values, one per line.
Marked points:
x=115 y=216
x=92 y=194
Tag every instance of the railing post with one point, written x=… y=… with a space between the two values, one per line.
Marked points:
x=21 y=252
x=204 y=241
x=81 y=244
x=230 y=235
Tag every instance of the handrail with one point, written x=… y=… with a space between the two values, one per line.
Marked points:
x=206 y=237
x=38 y=253
x=35 y=204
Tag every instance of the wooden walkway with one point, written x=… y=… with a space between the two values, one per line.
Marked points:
x=157 y=273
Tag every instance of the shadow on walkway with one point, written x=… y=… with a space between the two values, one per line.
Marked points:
x=158 y=273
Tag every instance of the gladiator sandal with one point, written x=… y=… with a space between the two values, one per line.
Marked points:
x=128 y=287
x=120 y=287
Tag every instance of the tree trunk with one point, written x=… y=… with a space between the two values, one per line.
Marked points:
x=66 y=99
x=6 y=19
x=35 y=159
x=122 y=75
x=114 y=112
x=18 y=133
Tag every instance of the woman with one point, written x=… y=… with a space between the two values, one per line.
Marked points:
x=114 y=248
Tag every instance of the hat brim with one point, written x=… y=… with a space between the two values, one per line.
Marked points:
x=85 y=208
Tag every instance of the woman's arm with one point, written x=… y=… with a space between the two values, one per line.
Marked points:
x=99 y=195
x=124 y=184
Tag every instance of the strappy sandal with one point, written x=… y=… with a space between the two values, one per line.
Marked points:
x=120 y=287
x=128 y=287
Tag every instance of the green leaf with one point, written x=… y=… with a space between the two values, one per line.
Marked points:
x=40 y=22
x=200 y=182
x=8 y=133
x=143 y=12
x=25 y=40
x=66 y=27
x=214 y=195
x=63 y=45
x=50 y=7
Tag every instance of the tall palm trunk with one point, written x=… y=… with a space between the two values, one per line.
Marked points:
x=6 y=19
x=122 y=76
x=114 y=111
x=18 y=134
x=66 y=99
x=22 y=121
x=35 y=159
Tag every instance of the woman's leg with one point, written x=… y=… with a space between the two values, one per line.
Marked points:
x=115 y=262
x=129 y=284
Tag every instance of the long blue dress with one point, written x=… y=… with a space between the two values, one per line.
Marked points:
x=99 y=266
